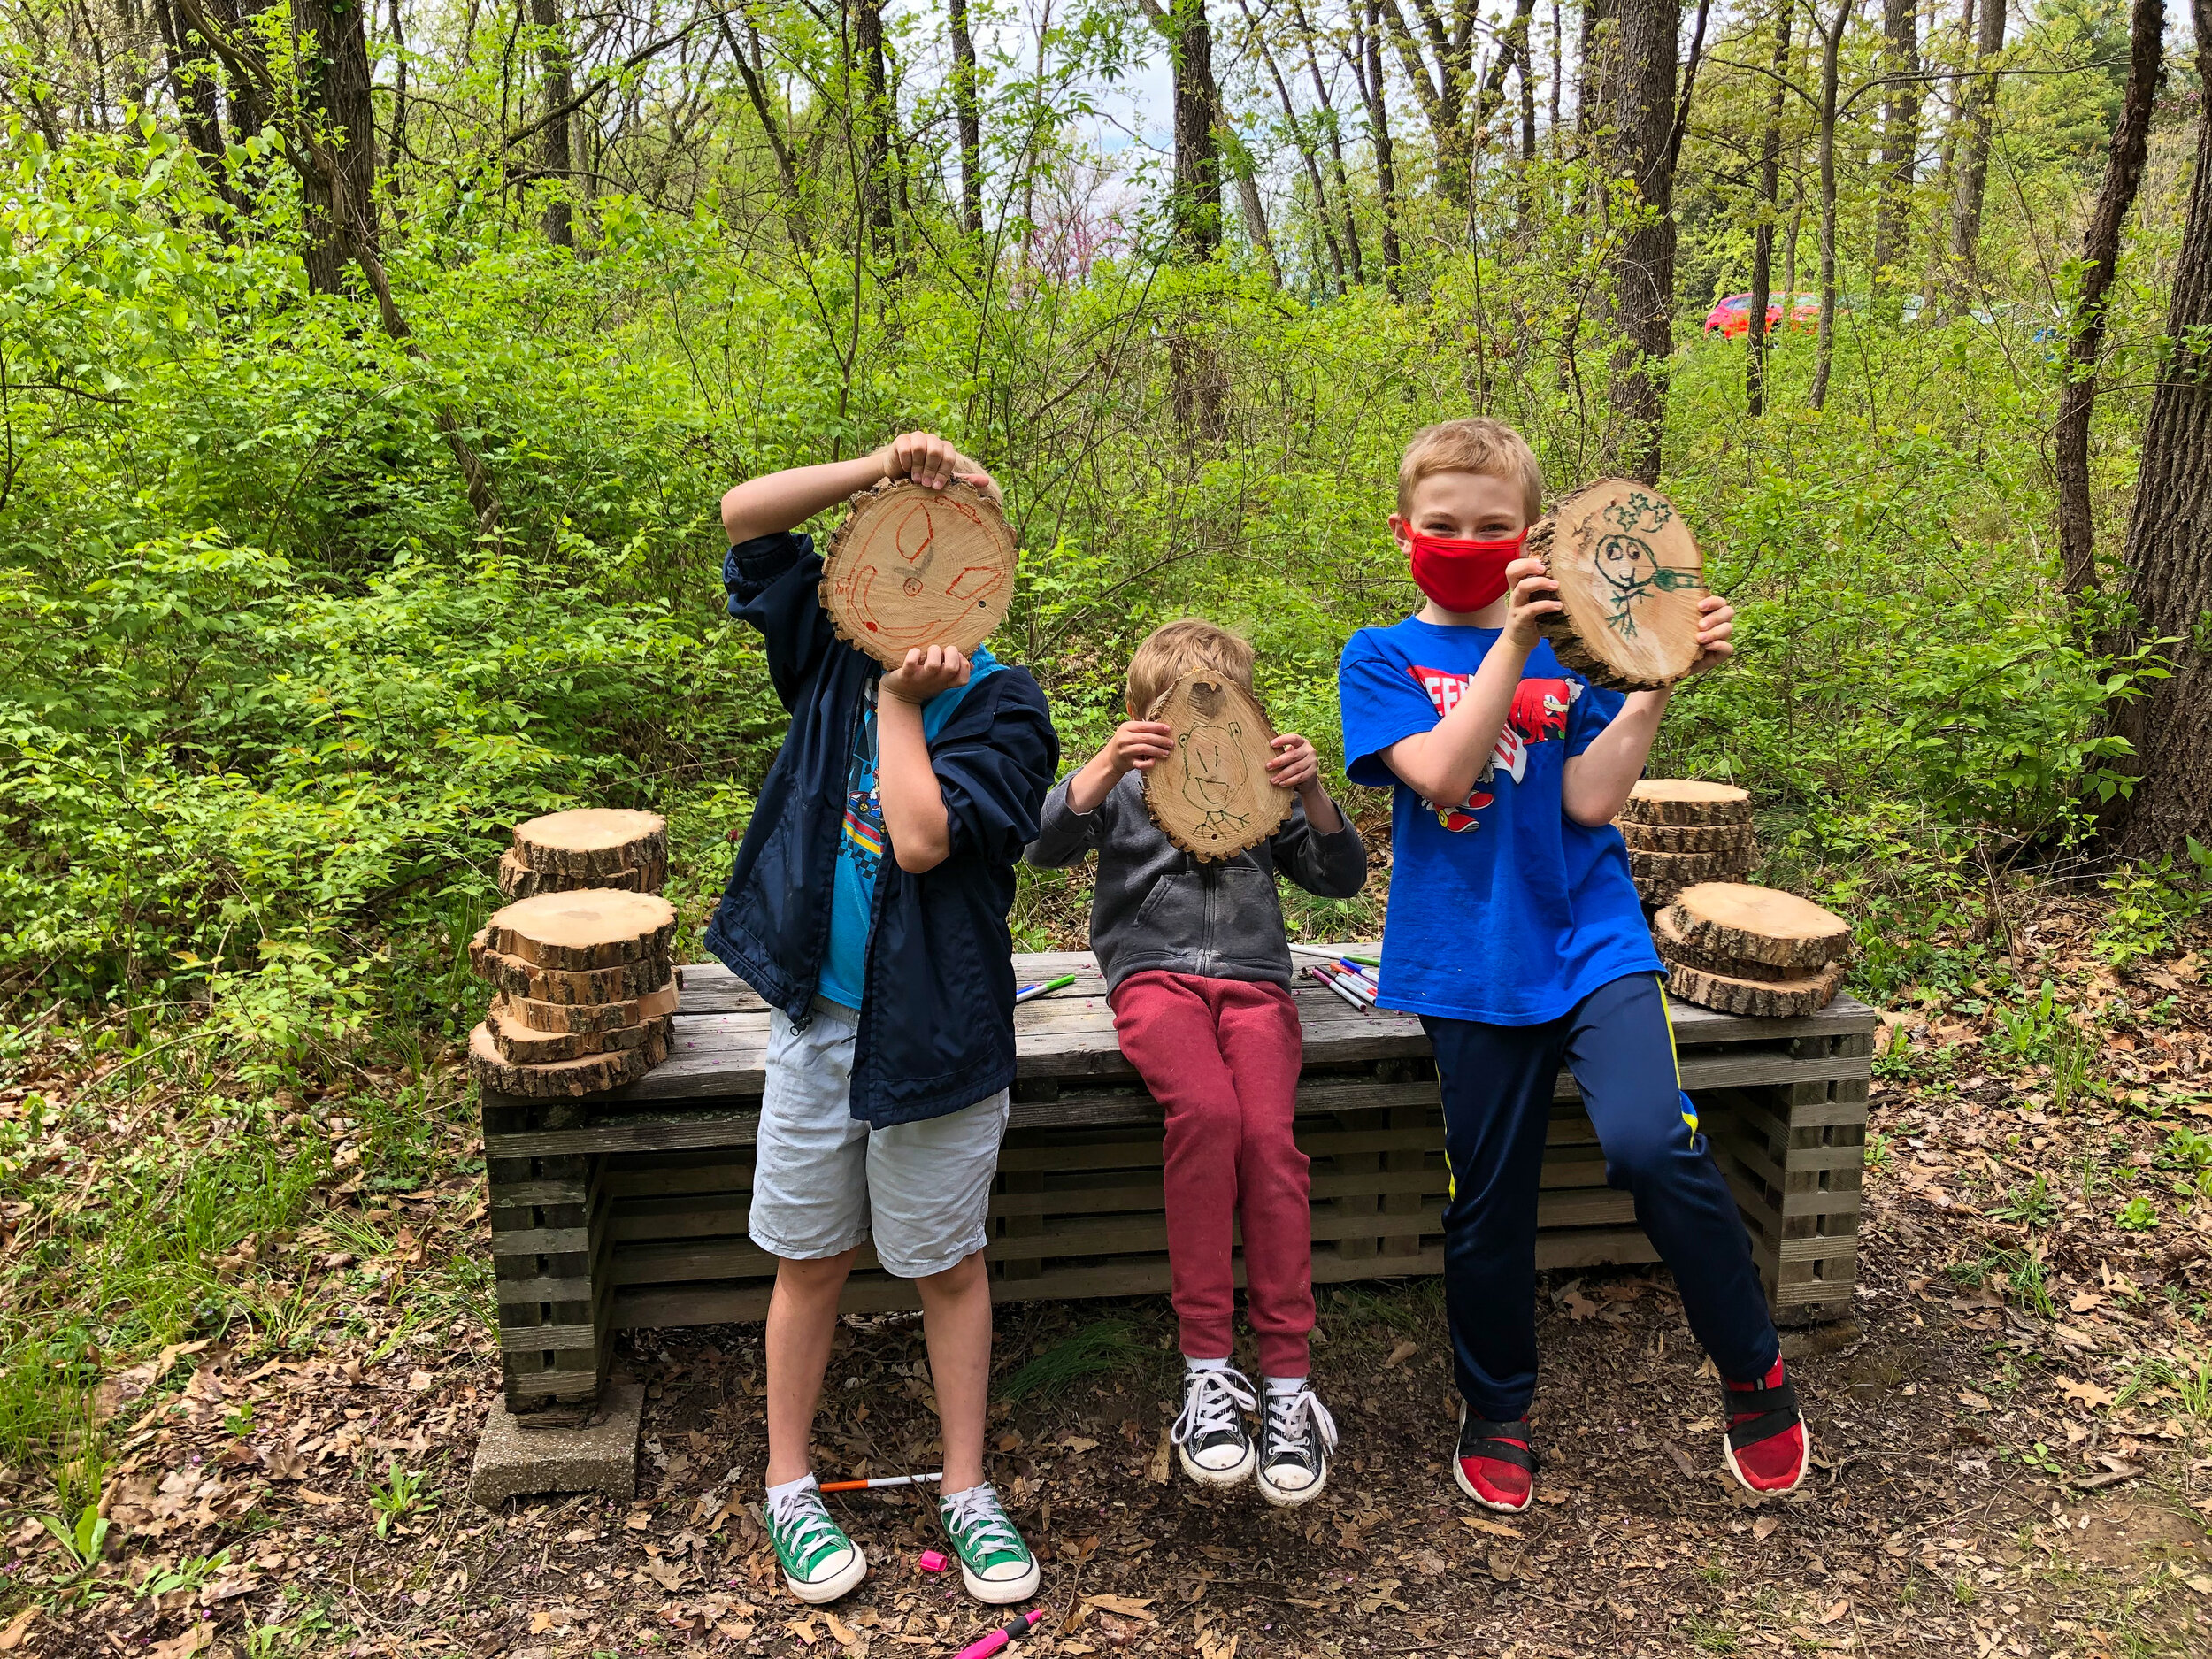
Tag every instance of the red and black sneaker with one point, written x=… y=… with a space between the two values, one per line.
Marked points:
x=1494 y=1464
x=1767 y=1445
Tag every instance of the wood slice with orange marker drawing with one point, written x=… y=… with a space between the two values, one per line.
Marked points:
x=1212 y=797
x=1630 y=580
x=912 y=566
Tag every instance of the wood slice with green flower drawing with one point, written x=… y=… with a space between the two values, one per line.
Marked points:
x=1212 y=797
x=1630 y=579
x=912 y=566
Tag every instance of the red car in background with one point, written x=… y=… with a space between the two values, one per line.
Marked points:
x=1732 y=316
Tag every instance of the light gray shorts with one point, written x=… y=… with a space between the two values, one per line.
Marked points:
x=823 y=1182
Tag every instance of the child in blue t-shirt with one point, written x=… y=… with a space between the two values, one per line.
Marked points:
x=1515 y=933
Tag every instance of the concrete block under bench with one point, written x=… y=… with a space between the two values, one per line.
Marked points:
x=627 y=1209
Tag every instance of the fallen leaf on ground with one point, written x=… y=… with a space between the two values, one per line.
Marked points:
x=183 y=1646
x=1765 y=1527
x=1495 y=1529
x=1835 y=1612
x=2088 y=1394
x=1579 y=1306
x=421 y=1382
x=1404 y=1351
x=1157 y=1472
x=803 y=1629
x=1682 y=1459
x=12 y=1638
x=840 y=1632
x=1127 y=1606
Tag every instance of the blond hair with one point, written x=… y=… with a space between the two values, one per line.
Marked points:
x=1174 y=649
x=1479 y=445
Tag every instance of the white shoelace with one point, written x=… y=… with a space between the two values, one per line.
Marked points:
x=1211 y=1401
x=803 y=1514
x=979 y=1511
x=1299 y=1417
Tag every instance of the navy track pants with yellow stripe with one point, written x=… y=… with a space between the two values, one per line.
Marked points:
x=1497 y=1083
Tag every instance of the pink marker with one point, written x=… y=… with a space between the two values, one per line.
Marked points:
x=1022 y=1626
x=933 y=1560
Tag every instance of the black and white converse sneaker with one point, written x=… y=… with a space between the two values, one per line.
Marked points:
x=1296 y=1436
x=1209 y=1434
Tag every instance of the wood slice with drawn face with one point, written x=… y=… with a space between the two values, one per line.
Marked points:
x=1630 y=580
x=916 y=567
x=1212 y=797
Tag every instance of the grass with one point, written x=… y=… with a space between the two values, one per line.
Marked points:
x=1105 y=1347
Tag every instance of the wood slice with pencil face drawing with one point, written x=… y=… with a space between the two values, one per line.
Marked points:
x=1212 y=797
x=916 y=567
x=1630 y=580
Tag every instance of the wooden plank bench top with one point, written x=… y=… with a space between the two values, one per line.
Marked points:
x=722 y=1033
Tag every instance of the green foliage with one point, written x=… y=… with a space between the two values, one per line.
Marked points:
x=2138 y=1215
x=85 y=1542
x=1104 y=1348
x=2150 y=902
x=402 y=1493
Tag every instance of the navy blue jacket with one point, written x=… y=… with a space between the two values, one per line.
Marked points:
x=937 y=1009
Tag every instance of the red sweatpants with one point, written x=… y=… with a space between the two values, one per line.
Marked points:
x=1221 y=1056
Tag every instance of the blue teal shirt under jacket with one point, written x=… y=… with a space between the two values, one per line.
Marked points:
x=1502 y=909
x=937 y=978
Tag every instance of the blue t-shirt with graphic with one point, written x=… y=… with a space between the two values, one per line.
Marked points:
x=1502 y=909
x=861 y=844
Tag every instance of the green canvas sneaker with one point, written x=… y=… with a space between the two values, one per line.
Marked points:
x=996 y=1563
x=819 y=1563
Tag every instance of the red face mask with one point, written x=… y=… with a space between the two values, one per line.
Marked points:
x=1463 y=576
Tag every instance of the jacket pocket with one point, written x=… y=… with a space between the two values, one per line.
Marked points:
x=1174 y=910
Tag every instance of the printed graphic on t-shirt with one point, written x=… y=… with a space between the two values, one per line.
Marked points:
x=863 y=839
x=1538 y=715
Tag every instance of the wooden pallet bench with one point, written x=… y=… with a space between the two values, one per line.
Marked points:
x=627 y=1210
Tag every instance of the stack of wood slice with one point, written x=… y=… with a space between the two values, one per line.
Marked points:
x=1751 y=950
x=587 y=992
x=595 y=846
x=1681 y=831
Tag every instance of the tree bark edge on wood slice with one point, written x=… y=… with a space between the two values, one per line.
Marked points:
x=591 y=841
x=1740 y=922
x=912 y=566
x=1212 y=797
x=1679 y=952
x=552 y=1017
x=1685 y=801
x=1631 y=579
x=585 y=928
x=524 y=1045
x=561 y=1078
x=1682 y=870
x=1756 y=999
x=1683 y=838
x=623 y=983
x=518 y=880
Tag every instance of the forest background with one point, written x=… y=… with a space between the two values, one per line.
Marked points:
x=369 y=379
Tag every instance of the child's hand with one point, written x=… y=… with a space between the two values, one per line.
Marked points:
x=1715 y=621
x=926 y=672
x=1138 y=746
x=929 y=460
x=1535 y=596
x=1296 y=766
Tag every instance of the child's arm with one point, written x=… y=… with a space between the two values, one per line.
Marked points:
x=781 y=501
x=1442 y=763
x=1068 y=828
x=913 y=805
x=1318 y=849
x=1594 y=786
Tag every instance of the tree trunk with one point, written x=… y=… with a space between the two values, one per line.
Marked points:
x=339 y=200
x=1353 y=259
x=553 y=146
x=1303 y=144
x=1978 y=103
x=192 y=82
x=1197 y=204
x=968 y=120
x=1901 y=135
x=1250 y=208
x=398 y=150
x=2100 y=252
x=1558 y=74
x=1771 y=208
x=1376 y=92
x=2169 y=554
x=248 y=109
x=1638 y=147
x=874 y=124
x=1831 y=46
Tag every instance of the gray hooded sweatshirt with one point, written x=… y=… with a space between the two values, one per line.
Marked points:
x=1154 y=906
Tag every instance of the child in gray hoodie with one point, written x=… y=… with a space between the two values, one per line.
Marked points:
x=1198 y=973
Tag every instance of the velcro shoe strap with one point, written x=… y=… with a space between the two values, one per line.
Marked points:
x=1739 y=1400
x=1493 y=1443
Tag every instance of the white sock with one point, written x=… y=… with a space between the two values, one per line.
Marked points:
x=789 y=1487
x=1287 y=1385
x=946 y=1497
x=1190 y=1364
